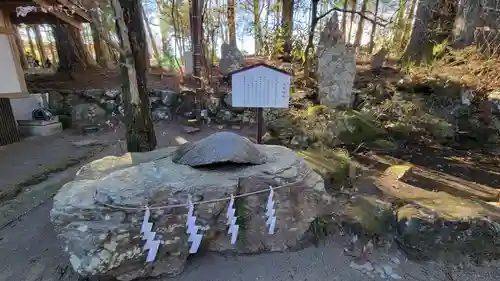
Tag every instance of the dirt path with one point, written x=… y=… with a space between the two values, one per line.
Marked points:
x=28 y=162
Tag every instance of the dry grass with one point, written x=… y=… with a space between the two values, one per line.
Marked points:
x=467 y=67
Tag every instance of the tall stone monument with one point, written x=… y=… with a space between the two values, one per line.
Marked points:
x=336 y=66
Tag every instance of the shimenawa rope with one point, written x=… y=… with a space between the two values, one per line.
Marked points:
x=198 y=202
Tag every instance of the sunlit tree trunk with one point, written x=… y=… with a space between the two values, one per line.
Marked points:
x=53 y=47
x=20 y=48
x=231 y=18
x=361 y=25
x=344 y=18
x=256 y=26
x=352 y=6
x=287 y=25
x=408 y=23
x=374 y=27
x=468 y=18
x=400 y=24
x=152 y=40
x=433 y=25
x=309 y=47
x=31 y=42
x=102 y=51
x=39 y=43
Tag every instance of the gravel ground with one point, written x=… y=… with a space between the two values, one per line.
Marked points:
x=30 y=252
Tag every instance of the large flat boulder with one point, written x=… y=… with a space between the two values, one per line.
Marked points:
x=102 y=237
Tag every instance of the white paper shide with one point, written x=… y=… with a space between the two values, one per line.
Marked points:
x=270 y=212
x=192 y=229
x=231 y=221
x=151 y=245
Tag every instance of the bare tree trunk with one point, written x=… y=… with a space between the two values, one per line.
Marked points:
x=374 y=27
x=287 y=25
x=399 y=25
x=469 y=16
x=361 y=25
x=433 y=25
x=53 y=47
x=177 y=35
x=256 y=26
x=102 y=51
x=419 y=48
x=344 y=18
x=73 y=54
x=20 y=48
x=314 y=22
x=352 y=5
x=39 y=43
x=140 y=132
x=408 y=23
x=231 y=18
x=31 y=42
x=151 y=37
x=102 y=55
x=196 y=27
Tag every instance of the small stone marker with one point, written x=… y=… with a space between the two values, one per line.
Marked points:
x=378 y=59
x=260 y=86
x=188 y=63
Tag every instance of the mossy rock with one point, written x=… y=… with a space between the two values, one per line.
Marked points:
x=334 y=166
x=383 y=144
x=449 y=228
x=314 y=110
x=355 y=127
x=369 y=216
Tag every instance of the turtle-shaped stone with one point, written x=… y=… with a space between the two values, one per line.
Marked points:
x=222 y=147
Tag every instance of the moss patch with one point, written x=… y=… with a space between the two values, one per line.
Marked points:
x=368 y=215
x=333 y=165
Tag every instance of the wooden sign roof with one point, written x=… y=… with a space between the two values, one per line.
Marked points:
x=47 y=11
x=259 y=65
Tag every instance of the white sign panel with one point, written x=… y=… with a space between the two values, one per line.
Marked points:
x=261 y=87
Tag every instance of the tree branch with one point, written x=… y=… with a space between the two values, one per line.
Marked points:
x=353 y=12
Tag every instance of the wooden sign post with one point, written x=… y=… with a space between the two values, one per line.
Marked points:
x=260 y=86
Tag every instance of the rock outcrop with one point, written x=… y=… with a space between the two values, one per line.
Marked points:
x=102 y=237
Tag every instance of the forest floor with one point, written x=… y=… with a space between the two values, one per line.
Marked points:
x=36 y=168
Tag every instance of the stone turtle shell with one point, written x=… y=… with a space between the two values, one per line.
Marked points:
x=222 y=147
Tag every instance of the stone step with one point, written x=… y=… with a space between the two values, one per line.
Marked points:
x=40 y=130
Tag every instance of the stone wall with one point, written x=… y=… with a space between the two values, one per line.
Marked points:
x=98 y=106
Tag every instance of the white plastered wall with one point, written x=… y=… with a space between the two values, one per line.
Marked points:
x=12 y=83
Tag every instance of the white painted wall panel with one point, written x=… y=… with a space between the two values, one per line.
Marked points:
x=9 y=80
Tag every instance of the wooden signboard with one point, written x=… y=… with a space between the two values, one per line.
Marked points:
x=260 y=86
